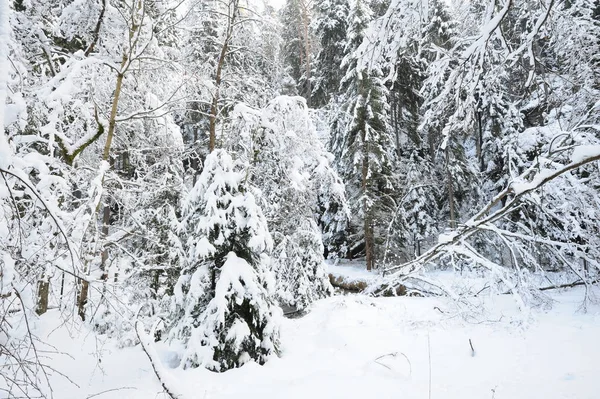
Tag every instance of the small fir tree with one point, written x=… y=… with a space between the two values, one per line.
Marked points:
x=224 y=298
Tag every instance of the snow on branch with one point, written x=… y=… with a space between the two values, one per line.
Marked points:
x=486 y=33
x=483 y=220
x=20 y=175
x=387 y=35
x=166 y=380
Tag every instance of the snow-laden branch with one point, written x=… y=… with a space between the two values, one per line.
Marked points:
x=486 y=32
x=163 y=376
x=4 y=40
x=581 y=156
x=25 y=181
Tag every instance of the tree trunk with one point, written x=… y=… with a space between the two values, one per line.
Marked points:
x=43 y=293
x=450 y=183
x=212 y=133
x=82 y=299
x=83 y=294
x=395 y=121
x=305 y=5
x=431 y=140
x=479 y=141
x=195 y=163
x=369 y=244
x=214 y=107
x=96 y=34
x=105 y=223
x=62 y=289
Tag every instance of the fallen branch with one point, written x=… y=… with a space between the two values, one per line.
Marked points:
x=482 y=218
x=569 y=285
x=351 y=285
x=161 y=374
x=394 y=354
x=107 y=391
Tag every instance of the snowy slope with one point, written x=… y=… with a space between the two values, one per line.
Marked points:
x=333 y=353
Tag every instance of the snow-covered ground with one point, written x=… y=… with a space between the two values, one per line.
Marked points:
x=360 y=347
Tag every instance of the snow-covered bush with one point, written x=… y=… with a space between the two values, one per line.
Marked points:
x=224 y=299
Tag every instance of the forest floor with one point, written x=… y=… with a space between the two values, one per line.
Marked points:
x=355 y=346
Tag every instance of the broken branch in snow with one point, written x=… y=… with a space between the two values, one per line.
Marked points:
x=569 y=285
x=107 y=391
x=161 y=373
x=394 y=354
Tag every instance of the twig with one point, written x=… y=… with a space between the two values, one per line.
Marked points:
x=394 y=354
x=107 y=391
x=31 y=340
x=481 y=290
x=472 y=349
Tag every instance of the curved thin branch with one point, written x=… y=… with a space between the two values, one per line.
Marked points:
x=27 y=184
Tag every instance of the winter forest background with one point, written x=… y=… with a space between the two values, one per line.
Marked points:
x=174 y=173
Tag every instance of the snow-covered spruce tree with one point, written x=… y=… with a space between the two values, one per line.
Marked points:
x=333 y=209
x=362 y=141
x=200 y=59
x=400 y=42
x=417 y=200
x=301 y=192
x=438 y=36
x=331 y=24
x=405 y=100
x=225 y=309
x=415 y=218
x=298 y=46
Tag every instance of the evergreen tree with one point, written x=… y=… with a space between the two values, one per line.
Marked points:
x=226 y=315
x=362 y=141
x=331 y=26
x=298 y=46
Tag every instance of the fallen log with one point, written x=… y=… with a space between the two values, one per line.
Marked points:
x=356 y=285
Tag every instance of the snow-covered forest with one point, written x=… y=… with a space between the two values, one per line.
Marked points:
x=302 y=198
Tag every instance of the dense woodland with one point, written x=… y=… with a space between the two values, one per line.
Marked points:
x=179 y=170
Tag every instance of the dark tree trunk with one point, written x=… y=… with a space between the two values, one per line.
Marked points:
x=450 y=183
x=43 y=293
